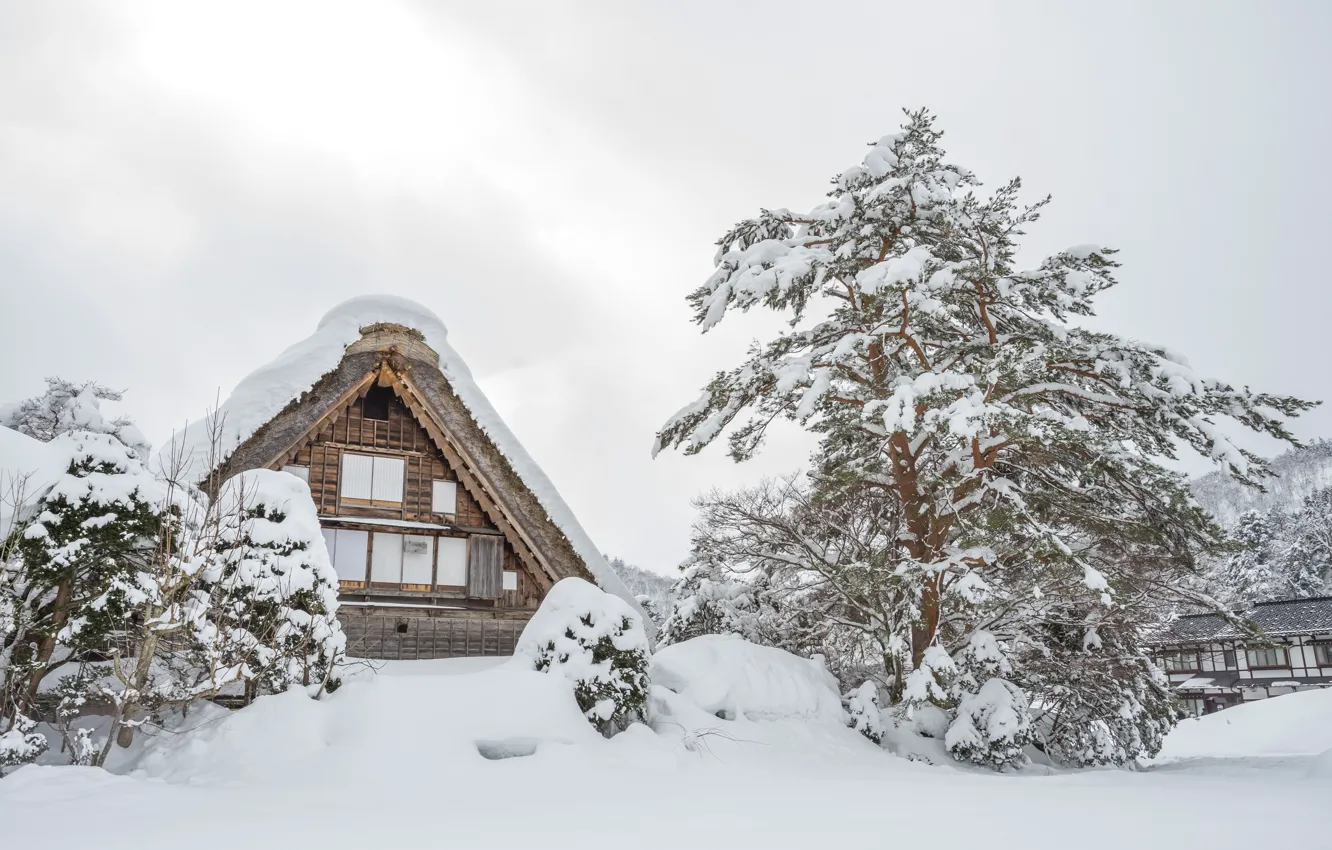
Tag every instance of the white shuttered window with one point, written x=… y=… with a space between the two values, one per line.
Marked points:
x=452 y=562
x=444 y=497
x=387 y=486
x=371 y=478
x=347 y=549
x=357 y=473
x=386 y=558
x=418 y=557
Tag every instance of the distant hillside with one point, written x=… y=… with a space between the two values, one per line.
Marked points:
x=643 y=582
x=1298 y=473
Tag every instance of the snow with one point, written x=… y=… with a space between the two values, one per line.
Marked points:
x=1293 y=724
x=27 y=465
x=395 y=759
x=728 y=676
x=266 y=391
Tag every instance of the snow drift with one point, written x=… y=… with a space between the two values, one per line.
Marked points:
x=730 y=677
x=1294 y=724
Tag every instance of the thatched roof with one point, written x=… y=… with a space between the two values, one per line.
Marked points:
x=398 y=343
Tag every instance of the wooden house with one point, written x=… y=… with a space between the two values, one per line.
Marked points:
x=1214 y=665
x=442 y=548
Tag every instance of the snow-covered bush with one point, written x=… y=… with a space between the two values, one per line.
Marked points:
x=730 y=677
x=992 y=726
x=862 y=705
x=273 y=591
x=597 y=641
x=20 y=745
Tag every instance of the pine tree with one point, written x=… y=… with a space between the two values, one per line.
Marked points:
x=711 y=601
x=1306 y=564
x=1251 y=572
x=95 y=527
x=1022 y=450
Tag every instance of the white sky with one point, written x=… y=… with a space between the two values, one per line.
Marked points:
x=186 y=187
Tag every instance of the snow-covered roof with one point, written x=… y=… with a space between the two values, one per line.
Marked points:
x=264 y=393
x=1276 y=619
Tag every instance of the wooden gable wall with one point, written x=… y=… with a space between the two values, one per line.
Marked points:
x=400 y=435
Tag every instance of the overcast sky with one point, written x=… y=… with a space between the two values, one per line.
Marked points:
x=186 y=188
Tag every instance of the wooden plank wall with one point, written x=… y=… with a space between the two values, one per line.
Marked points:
x=391 y=636
x=401 y=435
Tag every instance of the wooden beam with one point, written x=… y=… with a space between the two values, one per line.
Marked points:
x=333 y=414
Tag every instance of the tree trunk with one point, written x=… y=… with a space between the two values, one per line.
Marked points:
x=47 y=644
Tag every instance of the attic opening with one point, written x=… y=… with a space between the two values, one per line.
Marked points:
x=376 y=403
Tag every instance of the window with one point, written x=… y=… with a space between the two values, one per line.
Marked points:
x=452 y=562
x=371 y=480
x=444 y=497
x=376 y=404
x=347 y=551
x=1266 y=657
x=1228 y=658
x=418 y=561
x=1323 y=654
x=510 y=580
x=1182 y=662
x=301 y=472
x=386 y=558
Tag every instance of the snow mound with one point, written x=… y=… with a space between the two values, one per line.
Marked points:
x=728 y=676
x=27 y=468
x=263 y=393
x=1293 y=724
x=567 y=602
x=441 y=720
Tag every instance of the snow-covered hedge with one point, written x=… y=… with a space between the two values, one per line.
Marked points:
x=728 y=676
x=992 y=726
x=862 y=707
x=598 y=642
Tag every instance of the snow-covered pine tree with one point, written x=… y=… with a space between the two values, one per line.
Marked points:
x=1250 y=573
x=273 y=592
x=1306 y=563
x=95 y=527
x=1023 y=450
x=710 y=600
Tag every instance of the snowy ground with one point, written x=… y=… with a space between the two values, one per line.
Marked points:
x=392 y=761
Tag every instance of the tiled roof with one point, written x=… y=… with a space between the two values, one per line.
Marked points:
x=1277 y=619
